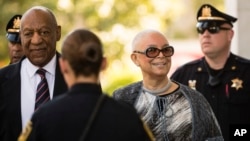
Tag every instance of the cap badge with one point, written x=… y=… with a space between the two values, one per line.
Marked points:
x=237 y=83
x=206 y=11
x=16 y=25
x=16 y=22
x=206 y=14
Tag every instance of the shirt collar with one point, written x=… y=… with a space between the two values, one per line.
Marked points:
x=50 y=67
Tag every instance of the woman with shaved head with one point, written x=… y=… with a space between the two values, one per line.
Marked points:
x=172 y=111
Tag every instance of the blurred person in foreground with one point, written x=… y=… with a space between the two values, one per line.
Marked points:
x=39 y=33
x=171 y=110
x=14 y=42
x=70 y=116
x=221 y=76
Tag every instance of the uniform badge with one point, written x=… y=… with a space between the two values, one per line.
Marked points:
x=192 y=84
x=237 y=83
x=26 y=132
x=206 y=12
x=16 y=25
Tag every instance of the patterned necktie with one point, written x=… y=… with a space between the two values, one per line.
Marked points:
x=42 y=92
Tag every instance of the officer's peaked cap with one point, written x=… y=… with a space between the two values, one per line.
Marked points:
x=209 y=13
x=13 y=28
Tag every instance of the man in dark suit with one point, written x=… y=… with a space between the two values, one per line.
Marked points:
x=84 y=113
x=39 y=33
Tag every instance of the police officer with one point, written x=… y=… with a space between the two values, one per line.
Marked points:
x=14 y=42
x=220 y=75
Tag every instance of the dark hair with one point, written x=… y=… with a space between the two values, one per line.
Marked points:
x=83 y=49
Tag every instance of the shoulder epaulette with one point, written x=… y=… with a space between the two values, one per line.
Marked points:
x=194 y=62
x=242 y=59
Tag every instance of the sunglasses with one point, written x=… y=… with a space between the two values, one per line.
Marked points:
x=212 y=30
x=153 y=52
x=212 y=27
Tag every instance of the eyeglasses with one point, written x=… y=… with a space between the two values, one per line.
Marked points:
x=213 y=27
x=153 y=52
x=212 y=30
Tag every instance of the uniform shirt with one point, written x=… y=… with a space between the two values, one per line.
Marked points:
x=230 y=99
x=66 y=116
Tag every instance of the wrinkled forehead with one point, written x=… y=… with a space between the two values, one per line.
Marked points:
x=37 y=16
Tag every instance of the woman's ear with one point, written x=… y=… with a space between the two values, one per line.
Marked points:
x=63 y=65
x=104 y=63
x=134 y=59
x=66 y=71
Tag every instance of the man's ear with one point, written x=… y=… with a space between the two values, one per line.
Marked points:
x=230 y=36
x=58 y=33
x=134 y=59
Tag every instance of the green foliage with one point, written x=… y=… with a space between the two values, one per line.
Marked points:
x=116 y=22
x=122 y=80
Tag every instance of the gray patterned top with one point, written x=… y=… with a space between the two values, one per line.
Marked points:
x=166 y=114
x=183 y=115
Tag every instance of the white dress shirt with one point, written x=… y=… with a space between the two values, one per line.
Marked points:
x=29 y=82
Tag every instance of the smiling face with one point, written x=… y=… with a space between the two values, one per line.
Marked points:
x=151 y=67
x=39 y=34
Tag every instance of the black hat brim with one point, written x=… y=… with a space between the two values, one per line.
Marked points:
x=13 y=37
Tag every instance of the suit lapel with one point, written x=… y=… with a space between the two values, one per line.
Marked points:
x=60 y=85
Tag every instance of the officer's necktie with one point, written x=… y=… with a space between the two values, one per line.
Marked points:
x=42 y=92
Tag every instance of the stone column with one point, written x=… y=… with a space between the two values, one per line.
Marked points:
x=241 y=41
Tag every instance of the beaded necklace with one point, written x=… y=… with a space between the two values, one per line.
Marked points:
x=159 y=91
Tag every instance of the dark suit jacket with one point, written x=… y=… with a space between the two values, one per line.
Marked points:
x=10 y=99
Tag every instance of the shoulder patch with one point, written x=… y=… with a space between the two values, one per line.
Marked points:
x=26 y=132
